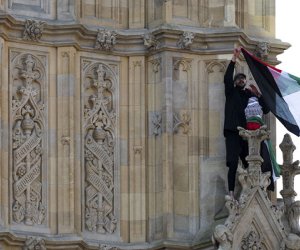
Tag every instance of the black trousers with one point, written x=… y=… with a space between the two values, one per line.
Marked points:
x=266 y=166
x=236 y=148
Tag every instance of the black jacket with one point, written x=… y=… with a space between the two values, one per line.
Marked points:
x=236 y=102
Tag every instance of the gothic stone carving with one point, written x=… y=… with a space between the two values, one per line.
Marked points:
x=99 y=120
x=107 y=247
x=222 y=238
x=262 y=50
x=28 y=120
x=186 y=40
x=33 y=30
x=156 y=123
x=34 y=243
x=294 y=217
x=292 y=242
x=182 y=121
x=150 y=41
x=252 y=241
x=106 y=39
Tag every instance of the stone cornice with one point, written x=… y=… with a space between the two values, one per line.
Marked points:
x=131 y=42
x=76 y=242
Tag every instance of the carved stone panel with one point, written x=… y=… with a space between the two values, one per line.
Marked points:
x=99 y=148
x=28 y=88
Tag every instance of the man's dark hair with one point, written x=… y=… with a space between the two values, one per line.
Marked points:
x=239 y=76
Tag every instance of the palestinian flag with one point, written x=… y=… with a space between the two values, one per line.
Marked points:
x=280 y=90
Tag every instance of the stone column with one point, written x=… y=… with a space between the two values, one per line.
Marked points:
x=137 y=132
x=254 y=159
x=155 y=145
x=66 y=83
x=3 y=136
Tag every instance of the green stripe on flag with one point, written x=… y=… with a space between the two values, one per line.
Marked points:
x=288 y=84
x=297 y=79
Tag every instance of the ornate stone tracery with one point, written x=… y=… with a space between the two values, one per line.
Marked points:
x=28 y=121
x=99 y=146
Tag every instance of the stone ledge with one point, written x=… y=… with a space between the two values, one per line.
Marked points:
x=207 y=41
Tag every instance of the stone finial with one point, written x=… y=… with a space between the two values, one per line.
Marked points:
x=289 y=170
x=106 y=39
x=287 y=147
x=33 y=30
x=262 y=50
x=150 y=41
x=186 y=40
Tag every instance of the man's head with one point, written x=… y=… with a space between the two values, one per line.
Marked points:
x=240 y=79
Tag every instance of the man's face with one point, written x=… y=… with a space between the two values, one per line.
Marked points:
x=241 y=82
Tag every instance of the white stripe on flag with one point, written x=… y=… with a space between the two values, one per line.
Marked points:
x=293 y=101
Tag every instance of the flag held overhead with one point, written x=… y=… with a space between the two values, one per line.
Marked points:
x=280 y=90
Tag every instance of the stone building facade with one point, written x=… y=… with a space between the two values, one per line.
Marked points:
x=111 y=119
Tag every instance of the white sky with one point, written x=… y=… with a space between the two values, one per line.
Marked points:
x=287 y=26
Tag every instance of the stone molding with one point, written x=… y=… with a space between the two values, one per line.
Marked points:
x=129 y=42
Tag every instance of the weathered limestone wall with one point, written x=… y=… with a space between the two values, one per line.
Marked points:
x=112 y=117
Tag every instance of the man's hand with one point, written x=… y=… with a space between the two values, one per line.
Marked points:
x=252 y=88
x=236 y=53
